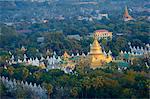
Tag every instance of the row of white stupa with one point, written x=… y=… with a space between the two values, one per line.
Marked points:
x=12 y=85
x=133 y=53
x=138 y=50
x=51 y=60
x=35 y=61
x=146 y=48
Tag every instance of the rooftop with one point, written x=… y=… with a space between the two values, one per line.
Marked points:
x=103 y=30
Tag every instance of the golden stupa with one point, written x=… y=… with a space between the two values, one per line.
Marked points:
x=66 y=56
x=96 y=56
x=67 y=61
x=42 y=65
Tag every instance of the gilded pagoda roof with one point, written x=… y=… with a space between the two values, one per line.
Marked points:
x=95 y=48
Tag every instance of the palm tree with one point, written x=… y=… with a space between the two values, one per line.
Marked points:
x=11 y=70
x=74 y=91
x=49 y=88
x=25 y=73
x=37 y=75
x=97 y=82
x=86 y=85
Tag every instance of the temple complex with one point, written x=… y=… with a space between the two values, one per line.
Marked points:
x=96 y=56
x=126 y=15
x=94 y=59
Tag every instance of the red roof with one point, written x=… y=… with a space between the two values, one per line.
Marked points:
x=101 y=30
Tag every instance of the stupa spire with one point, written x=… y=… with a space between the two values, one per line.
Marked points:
x=126 y=15
x=95 y=47
x=66 y=55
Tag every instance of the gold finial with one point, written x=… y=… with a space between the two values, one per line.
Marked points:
x=126 y=13
x=95 y=37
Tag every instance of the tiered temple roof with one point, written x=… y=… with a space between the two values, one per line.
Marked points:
x=97 y=57
x=126 y=15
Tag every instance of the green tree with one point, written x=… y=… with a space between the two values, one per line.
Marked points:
x=3 y=89
x=25 y=73
x=49 y=88
x=10 y=70
x=74 y=92
x=98 y=82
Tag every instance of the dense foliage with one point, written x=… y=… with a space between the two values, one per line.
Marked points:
x=55 y=32
x=84 y=82
x=99 y=83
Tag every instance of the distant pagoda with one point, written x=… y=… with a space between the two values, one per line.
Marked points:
x=126 y=15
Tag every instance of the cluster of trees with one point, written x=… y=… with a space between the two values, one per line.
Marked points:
x=134 y=29
x=85 y=83
x=137 y=32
